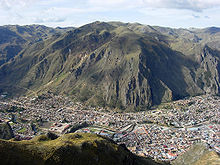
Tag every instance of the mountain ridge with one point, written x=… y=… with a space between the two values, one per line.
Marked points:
x=122 y=66
x=14 y=38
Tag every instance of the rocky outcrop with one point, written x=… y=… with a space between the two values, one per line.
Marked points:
x=207 y=74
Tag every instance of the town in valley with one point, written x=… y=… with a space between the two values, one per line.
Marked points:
x=163 y=132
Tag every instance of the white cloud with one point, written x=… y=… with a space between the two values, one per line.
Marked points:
x=49 y=20
x=195 y=5
x=106 y=2
x=78 y=12
x=15 y=4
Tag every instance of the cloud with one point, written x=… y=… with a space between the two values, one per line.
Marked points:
x=106 y=2
x=194 y=5
x=175 y=13
x=15 y=4
x=65 y=10
x=195 y=16
x=105 y=5
x=49 y=20
x=117 y=4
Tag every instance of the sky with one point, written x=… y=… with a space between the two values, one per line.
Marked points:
x=65 y=13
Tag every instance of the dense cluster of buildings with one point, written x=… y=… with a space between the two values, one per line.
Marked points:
x=162 y=133
x=167 y=143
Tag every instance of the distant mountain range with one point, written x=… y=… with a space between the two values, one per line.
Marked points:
x=119 y=65
x=14 y=38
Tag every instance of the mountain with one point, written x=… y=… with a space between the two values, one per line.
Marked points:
x=198 y=154
x=119 y=65
x=14 y=38
x=6 y=131
x=69 y=149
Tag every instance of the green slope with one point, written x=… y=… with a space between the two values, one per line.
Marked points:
x=69 y=149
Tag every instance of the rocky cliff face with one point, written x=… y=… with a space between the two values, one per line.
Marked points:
x=124 y=66
x=207 y=74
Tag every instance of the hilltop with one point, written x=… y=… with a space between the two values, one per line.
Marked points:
x=118 y=65
x=68 y=149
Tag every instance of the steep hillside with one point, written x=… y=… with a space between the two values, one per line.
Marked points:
x=6 y=131
x=124 y=66
x=14 y=38
x=69 y=149
x=198 y=155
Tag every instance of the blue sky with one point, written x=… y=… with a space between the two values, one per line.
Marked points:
x=170 y=13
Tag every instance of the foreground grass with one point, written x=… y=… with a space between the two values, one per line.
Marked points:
x=75 y=149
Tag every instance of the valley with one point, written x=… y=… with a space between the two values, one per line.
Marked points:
x=149 y=91
x=163 y=133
